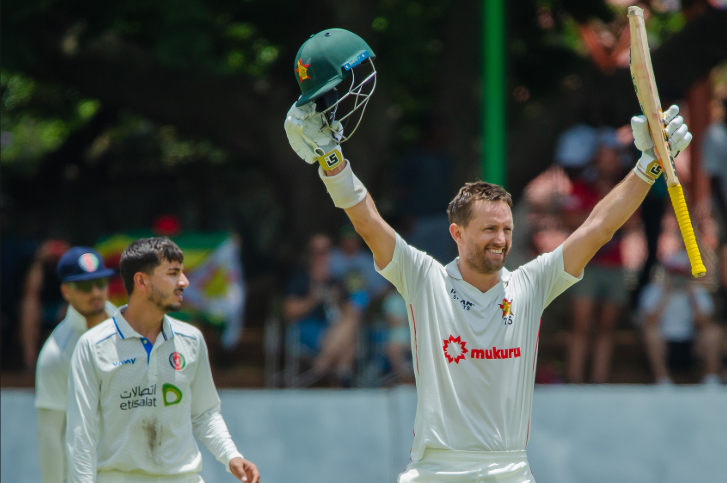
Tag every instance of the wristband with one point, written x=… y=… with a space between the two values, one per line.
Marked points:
x=648 y=169
x=345 y=188
x=331 y=160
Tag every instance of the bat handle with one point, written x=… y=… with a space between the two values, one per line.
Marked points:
x=685 y=226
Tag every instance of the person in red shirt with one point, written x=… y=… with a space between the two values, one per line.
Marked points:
x=601 y=294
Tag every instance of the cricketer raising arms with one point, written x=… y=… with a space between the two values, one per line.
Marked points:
x=474 y=324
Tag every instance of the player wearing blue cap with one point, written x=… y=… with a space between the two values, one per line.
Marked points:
x=85 y=287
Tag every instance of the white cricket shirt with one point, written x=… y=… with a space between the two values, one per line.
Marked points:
x=133 y=405
x=54 y=360
x=474 y=352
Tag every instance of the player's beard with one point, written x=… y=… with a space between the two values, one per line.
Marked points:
x=478 y=261
x=161 y=300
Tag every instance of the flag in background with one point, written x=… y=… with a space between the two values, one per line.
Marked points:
x=216 y=292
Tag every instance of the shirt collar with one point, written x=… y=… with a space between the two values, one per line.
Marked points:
x=453 y=271
x=78 y=321
x=125 y=331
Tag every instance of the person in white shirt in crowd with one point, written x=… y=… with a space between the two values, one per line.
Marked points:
x=140 y=386
x=474 y=324
x=84 y=285
x=398 y=337
x=672 y=309
x=714 y=153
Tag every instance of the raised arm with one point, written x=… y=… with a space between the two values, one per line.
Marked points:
x=618 y=205
x=316 y=143
x=607 y=217
x=367 y=221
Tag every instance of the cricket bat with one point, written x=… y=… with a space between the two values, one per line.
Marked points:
x=642 y=75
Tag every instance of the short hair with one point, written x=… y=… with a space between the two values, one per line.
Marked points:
x=460 y=208
x=144 y=255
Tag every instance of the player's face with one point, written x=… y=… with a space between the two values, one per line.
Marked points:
x=167 y=284
x=486 y=240
x=87 y=297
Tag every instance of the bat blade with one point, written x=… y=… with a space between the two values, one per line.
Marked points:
x=642 y=75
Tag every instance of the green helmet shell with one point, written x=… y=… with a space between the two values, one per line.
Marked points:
x=325 y=59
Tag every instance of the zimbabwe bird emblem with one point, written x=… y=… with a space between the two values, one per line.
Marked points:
x=302 y=70
x=506 y=307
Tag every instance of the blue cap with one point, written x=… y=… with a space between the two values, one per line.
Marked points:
x=82 y=263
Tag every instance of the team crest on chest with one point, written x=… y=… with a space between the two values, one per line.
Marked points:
x=507 y=314
x=177 y=361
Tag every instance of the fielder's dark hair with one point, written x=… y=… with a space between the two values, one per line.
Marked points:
x=146 y=254
x=460 y=208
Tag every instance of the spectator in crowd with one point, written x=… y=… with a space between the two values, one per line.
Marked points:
x=42 y=306
x=321 y=309
x=714 y=151
x=602 y=293
x=672 y=308
x=353 y=265
x=84 y=285
x=577 y=146
x=398 y=340
x=423 y=190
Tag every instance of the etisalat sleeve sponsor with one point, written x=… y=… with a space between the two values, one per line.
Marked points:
x=139 y=397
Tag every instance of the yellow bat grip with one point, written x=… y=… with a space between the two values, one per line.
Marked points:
x=685 y=225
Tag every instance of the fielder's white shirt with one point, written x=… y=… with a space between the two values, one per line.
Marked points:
x=54 y=360
x=474 y=352
x=133 y=405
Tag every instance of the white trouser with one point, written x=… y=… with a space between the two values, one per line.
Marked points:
x=447 y=466
x=122 y=477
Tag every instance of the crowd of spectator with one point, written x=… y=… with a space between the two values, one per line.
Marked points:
x=345 y=325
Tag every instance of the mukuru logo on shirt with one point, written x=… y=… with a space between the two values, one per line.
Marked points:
x=125 y=361
x=455 y=350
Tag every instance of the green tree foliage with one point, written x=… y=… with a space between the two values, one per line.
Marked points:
x=138 y=85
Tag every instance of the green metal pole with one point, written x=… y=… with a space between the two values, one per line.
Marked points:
x=494 y=132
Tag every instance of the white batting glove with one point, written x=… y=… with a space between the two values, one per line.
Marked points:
x=648 y=167
x=313 y=140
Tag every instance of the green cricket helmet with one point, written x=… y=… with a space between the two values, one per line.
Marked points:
x=323 y=62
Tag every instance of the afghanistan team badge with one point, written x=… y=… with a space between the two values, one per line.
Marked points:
x=177 y=361
x=88 y=262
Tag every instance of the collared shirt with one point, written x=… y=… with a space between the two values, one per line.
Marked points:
x=51 y=377
x=134 y=405
x=474 y=352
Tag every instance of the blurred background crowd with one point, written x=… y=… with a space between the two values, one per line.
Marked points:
x=121 y=121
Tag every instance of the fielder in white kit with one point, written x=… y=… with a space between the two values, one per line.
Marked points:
x=474 y=324
x=140 y=385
